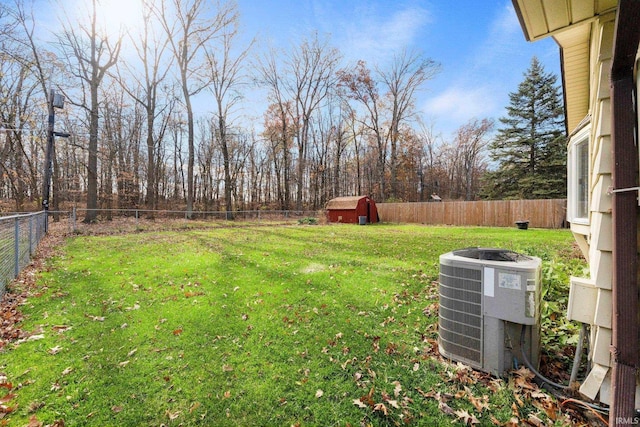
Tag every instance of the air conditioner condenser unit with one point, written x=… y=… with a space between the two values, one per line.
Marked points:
x=487 y=295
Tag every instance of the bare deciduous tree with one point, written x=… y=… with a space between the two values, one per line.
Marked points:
x=190 y=27
x=278 y=126
x=358 y=85
x=470 y=141
x=312 y=68
x=226 y=79
x=146 y=89
x=90 y=54
x=407 y=74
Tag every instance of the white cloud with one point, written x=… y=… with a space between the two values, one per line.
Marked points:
x=478 y=85
x=374 y=37
x=459 y=103
x=503 y=43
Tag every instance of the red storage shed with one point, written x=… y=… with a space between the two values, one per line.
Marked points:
x=353 y=210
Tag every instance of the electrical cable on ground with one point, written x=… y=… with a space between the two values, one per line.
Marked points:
x=586 y=405
x=530 y=366
x=556 y=386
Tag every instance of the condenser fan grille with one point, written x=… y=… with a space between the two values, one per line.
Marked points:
x=460 y=313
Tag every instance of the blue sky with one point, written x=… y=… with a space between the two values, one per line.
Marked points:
x=479 y=44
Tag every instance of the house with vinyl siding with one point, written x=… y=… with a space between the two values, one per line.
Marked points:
x=598 y=42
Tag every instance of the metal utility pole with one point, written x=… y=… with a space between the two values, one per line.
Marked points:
x=54 y=101
x=49 y=153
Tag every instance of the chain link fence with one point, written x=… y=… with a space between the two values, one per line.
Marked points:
x=75 y=217
x=19 y=238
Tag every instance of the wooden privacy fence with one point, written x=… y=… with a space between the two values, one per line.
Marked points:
x=495 y=213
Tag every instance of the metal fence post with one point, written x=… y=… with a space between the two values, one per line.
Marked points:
x=30 y=235
x=16 y=247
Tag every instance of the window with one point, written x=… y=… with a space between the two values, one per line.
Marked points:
x=578 y=185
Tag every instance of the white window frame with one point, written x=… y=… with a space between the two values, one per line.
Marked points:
x=579 y=176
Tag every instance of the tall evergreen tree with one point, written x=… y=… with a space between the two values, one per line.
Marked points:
x=530 y=147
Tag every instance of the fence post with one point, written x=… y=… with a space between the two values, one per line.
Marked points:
x=16 y=246
x=30 y=235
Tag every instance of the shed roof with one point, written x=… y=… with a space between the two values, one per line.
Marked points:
x=349 y=202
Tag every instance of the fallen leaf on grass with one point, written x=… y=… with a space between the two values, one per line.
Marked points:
x=495 y=385
x=55 y=350
x=34 y=406
x=514 y=410
x=132 y=352
x=445 y=408
x=7 y=398
x=523 y=379
x=173 y=415
x=376 y=344
x=381 y=407
x=397 y=389
x=513 y=422
x=95 y=318
x=33 y=422
x=319 y=393
x=545 y=403
x=6 y=410
x=467 y=418
x=194 y=406
x=116 y=408
x=123 y=364
x=177 y=331
x=393 y=403
x=193 y=294
x=535 y=421
x=227 y=368
x=67 y=371
x=480 y=403
x=359 y=403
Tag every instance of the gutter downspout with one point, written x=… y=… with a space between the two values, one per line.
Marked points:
x=624 y=348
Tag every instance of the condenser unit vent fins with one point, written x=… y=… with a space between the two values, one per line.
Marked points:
x=461 y=313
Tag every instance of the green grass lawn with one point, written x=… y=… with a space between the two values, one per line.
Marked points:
x=297 y=325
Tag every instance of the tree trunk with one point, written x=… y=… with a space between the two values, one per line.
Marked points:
x=92 y=160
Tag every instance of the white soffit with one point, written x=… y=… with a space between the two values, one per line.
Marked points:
x=543 y=18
